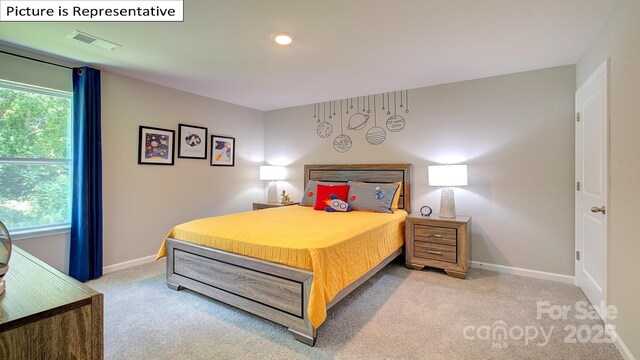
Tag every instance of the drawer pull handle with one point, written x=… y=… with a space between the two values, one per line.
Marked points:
x=434 y=252
x=436 y=235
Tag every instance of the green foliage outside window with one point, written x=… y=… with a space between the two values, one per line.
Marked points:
x=35 y=164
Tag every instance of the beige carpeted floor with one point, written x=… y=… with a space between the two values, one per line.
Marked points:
x=398 y=314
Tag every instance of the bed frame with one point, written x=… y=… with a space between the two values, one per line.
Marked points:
x=275 y=292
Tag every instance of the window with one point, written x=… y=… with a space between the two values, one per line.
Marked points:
x=35 y=158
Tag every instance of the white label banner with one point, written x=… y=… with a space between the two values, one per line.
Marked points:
x=89 y=10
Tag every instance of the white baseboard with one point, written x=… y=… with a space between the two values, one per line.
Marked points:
x=524 y=272
x=622 y=348
x=128 y=264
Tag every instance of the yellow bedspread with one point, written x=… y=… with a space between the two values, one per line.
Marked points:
x=337 y=247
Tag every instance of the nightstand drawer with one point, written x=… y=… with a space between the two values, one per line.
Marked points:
x=436 y=234
x=433 y=251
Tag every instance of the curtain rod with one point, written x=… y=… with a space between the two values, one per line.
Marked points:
x=33 y=59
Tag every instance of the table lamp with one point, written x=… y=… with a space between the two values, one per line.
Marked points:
x=447 y=175
x=272 y=174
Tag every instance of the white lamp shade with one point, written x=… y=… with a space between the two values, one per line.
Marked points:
x=272 y=172
x=447 y=175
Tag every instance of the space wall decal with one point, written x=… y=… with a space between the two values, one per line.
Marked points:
x=324 y=128
x=358 y=118
x=342 y=142
x=376 y=135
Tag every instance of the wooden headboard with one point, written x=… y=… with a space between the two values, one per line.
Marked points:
x=384 y=173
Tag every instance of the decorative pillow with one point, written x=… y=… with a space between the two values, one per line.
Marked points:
x=371 y=196
x=396 y=197
x=324 y=191
x=309 y=196
x=334 y=204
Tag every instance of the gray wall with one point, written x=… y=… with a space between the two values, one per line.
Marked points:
x=516 y=134
x=620 y=42
x=142 y=203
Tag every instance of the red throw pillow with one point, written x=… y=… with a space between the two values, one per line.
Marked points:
x=323 y=192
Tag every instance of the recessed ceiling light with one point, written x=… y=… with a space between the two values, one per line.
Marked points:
x=283 y=39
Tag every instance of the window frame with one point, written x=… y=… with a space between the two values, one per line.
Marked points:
x=28 y=232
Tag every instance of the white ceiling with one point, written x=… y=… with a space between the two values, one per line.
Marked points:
x=343 y=48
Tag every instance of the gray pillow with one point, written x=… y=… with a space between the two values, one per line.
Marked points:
x=309 y=196
x=371 y=196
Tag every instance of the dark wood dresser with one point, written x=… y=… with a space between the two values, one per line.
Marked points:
x=45 y=314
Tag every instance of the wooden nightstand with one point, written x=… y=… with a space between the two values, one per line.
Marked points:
x=438 y=242
x=266 y=205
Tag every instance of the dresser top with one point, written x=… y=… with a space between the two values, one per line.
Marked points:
x=35 y=290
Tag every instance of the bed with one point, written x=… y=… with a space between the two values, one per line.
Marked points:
x=283 y=290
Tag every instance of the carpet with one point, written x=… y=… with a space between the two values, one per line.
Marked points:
x=397 y=314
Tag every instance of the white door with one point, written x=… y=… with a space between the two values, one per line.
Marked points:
x=591 y=187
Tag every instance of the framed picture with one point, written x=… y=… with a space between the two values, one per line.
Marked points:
x=155 y=146
x=192 y=142
x=223 y=150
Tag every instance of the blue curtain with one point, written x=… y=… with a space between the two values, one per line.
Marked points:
x=85 y=260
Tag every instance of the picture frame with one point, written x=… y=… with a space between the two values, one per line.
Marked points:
x=192 y=142
x=223 y=150
x=155 y=146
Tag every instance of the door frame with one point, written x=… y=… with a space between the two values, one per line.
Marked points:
x=601 y=72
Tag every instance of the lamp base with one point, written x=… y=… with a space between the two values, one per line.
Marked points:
x=447 y=204
x=272 y=192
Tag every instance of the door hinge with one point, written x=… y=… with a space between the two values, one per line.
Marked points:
x=578 y=117
x=578 y=186
x=578 y=255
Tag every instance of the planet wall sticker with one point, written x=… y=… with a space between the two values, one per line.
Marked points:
x=357 y=121
x=376 y=135
x=395 y=123
x=342 y=143
x=324 y=129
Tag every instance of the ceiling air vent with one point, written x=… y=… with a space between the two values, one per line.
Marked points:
x=93 y=40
